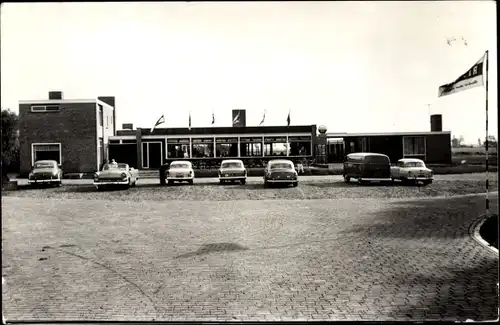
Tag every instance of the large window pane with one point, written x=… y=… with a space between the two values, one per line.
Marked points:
x=203 y=148
x=251 y=146
x=275 y=146
x=178 y=148
x=226 y=147
x=300 y=148
x=414 y=146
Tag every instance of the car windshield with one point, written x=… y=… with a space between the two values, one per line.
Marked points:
x=233 y=164
x=414 y=164
x=114 y=166
x=173 y=166
x=44 y=164
x=281 y=165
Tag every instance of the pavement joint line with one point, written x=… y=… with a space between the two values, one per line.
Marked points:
x=474 y=233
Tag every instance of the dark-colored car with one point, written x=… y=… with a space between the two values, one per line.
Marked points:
x=367 y=167
x=45 y=172
x=280 y=171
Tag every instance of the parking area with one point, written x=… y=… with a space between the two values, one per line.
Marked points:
x=323 y=250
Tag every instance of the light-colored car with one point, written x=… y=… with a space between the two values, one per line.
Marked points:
x=232 y=170
x=45 y=172
x=411 y=170
x=180 y=171
x=280 y=171
x=116 y=174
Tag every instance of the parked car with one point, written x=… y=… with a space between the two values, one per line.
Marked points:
x=121 y=175
x=45 y=172
x=232 y=170
x=180 y=171
x=412 y=170
x=367 y=167
x=280 y=171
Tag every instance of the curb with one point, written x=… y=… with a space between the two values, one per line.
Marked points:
x=474 y=233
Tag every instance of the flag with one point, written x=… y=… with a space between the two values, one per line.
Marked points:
x=263 y=118
x=161 y=120
x=237 y=119
x=213 y=118
x=189 y=121
x=288 y=119
x=472 y=78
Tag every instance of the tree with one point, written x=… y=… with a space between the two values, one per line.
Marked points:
x=10 y=142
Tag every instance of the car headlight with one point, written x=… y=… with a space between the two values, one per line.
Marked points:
x=190 y=173
x=96 y=176
x=124 y=175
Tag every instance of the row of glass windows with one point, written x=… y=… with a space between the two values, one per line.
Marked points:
x=206 y=150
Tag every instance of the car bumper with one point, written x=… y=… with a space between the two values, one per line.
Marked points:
x=111 y=183
x=43 y=181
x=421 y=178
x=371 y=179
x=228 y=178
x=184 y=178
x=282 y=180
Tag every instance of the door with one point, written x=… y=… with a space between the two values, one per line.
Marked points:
x=154 y=154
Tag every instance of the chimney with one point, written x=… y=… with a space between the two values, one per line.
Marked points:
x=55 y=95
x=127 y=126
x=241 y=121
x=436 y=123
x=110 y=100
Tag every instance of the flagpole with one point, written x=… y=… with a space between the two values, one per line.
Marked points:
x=486 y=145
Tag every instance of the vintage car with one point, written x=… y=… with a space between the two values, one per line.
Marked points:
x=411 y=170
x=280 y=171
x=232 y=170
x=180 y=171
x=45 y=172
x=367 y=167
x=117 y=174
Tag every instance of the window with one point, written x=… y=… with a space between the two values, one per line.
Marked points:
x=300 y=146
x=251 y=147
x=45 y=108
x=178 y=148
x=414 y=146
x=232 y=164
x=180 y=165
x=275 y=146
x=203 y=148
x=414 y=164
x=226 y=147
x=281 y=165
x=46 y=151
x=100 y=115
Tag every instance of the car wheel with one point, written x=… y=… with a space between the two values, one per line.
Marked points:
x=243 y=181
x=266 y=184
x=190 y=182
x=347 y=179
x=295 y=184
x=221 y=181
x=170 y=182
x=59 y=183
x=99 y=188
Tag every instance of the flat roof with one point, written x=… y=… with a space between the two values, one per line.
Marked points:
x=345 y=134
x=64 y=101
x=227 y=130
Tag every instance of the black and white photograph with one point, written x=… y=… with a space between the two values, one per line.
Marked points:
x=205 y=161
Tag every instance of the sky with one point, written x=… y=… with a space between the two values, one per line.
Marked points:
x=351 y=66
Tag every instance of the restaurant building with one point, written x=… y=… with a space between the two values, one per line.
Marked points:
x=207 y=147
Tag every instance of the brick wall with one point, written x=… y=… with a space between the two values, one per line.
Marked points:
x=74 y=126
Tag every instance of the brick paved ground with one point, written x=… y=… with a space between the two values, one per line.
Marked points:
x=339 y=259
